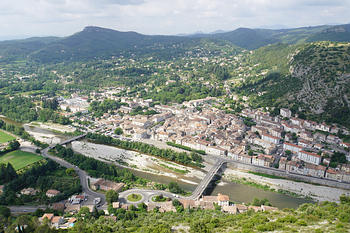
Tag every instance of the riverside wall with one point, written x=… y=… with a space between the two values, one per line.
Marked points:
x=288 y=175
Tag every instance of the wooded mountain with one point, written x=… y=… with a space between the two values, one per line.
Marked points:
x=96 y=42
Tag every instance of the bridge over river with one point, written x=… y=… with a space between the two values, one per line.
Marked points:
x=202 y=186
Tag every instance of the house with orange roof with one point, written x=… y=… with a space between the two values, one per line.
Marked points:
x=52 y=193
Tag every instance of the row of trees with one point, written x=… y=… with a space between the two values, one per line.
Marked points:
x=192 y=159
x=202 y=152
x=96 y=168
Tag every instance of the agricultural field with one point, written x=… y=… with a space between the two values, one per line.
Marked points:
x=4 y=137
x=20 y=159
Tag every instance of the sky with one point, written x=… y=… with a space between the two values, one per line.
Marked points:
x=26 y=18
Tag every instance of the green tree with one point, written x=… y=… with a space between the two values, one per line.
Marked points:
x=70 y=172
x=5 y=212
x=14 y=145
x=175 y=188
x=118 y=131
x=112 y=196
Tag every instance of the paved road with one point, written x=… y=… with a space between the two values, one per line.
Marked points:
x=203 y=185
x=146 y=195
x=25 y=209
x=82 y=175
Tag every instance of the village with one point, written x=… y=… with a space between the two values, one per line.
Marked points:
x=254 y=137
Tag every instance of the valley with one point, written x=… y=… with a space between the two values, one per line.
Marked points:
x=242 y=125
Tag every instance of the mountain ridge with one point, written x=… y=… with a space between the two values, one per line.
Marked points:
x=98 y=42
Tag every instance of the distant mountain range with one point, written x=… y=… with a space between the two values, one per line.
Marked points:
x=94 y=42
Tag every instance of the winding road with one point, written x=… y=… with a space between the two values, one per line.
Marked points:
x=90 y=194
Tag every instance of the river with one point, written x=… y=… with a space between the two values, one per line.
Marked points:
x=236 y=192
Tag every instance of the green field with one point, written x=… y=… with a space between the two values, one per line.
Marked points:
x=4 y=137
x=134 y=197
x=20 y=159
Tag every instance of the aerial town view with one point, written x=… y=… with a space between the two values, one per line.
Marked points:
x=146 y=124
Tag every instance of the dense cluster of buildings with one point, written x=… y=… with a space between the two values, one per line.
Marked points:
x=285 y=142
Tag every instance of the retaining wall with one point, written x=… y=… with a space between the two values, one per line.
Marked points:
x=288 y=175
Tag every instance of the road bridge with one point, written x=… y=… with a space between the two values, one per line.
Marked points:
x=202 y=186
x=73 y=139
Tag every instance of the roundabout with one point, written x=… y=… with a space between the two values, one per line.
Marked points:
x=137 y=196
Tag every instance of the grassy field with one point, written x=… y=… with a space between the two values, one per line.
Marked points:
x=20 y=159
x=4 y=137
x=134 y=197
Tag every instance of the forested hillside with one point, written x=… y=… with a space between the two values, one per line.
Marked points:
x=311 y=79
x=96 y=42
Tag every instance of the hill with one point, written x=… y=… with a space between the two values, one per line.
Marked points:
x=96 y=42
x=19 y=49
x=256 y=38
x=311 y=79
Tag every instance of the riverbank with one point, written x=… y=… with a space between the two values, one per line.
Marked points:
x=138 y=161
x=56 y=128
x=316 y=192
x=164 y=171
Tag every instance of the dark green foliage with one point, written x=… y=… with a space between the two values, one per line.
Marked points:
x=7 y=173
x=118 y=131
x=179 y=92
x=175 y=188
x=142 y=111
x=50 y=104
x=97 y=168
x=337 y=158
x=23 y=110
x=42 y=176
x=111 y=196
x=14 y=145
x=99 y=108
x=5 y=212
x=188 y=149
x=184 y=158
x=257 y=202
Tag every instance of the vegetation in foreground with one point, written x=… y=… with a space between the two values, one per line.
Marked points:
x=323 y=217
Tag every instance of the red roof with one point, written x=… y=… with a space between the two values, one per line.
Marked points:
x=270 y=136
x=311 y=154
x=290 y=144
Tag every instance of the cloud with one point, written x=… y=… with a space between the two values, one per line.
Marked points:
x=64 y=17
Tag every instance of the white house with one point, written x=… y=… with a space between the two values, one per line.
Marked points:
x=285 y=112
x=270 y=138
x=292 y=147
x=309 y=157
